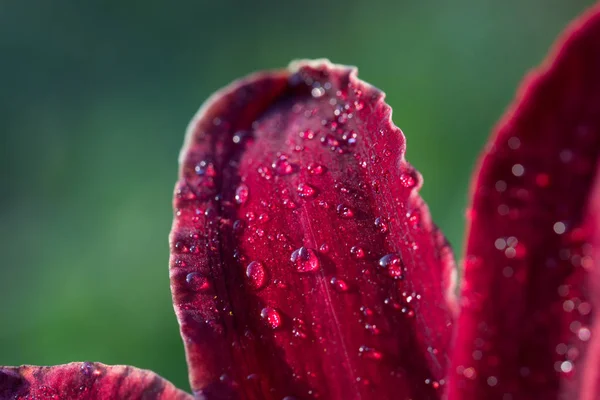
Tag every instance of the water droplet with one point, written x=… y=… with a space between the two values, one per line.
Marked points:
x=306 y=191
x=264 y=172
x=518 y=170
x=393 y=265
x=324 y=248
x=344 y=211
x=408 y=180
x=256 y=274
x=282 y=166
x=317 y=92
x=197 y=282
x=307 y=134
x=315 y=169
x=241 y=194
x=339 y=284
x=305 y=260
x=559 y=228
x=381 y=224
x=271 y=317
x=370 y=353
x=205 y=168
x=289 y=203
x=357 y=252
x=514 y=143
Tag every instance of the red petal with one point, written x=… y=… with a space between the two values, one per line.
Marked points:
x=527 y=329
x=293 y=190
x=87 y=381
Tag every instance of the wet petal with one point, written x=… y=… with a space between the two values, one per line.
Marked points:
x=527 y=327
x=85 y=381
x=303 y=261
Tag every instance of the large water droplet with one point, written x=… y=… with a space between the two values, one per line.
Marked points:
x=271 y=317
x=305 y=260
x=256 y=274
x=197 y=282
x=393 y=265
x=241 y=194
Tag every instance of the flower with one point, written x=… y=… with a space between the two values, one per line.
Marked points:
x=304 y=264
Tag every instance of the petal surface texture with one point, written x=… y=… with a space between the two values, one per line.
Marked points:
x=89 y=381
x=528 y=325
x=304 y=264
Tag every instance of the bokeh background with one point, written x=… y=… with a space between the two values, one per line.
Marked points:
x=95 y=96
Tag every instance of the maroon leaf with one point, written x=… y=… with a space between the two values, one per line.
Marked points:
x=527 y=328
x=303 y=261
x=87 y=381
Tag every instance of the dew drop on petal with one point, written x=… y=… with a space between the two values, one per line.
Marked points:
x=197 y=282
x=393 y=265
x=344 y=211
x=306 y=191
x=315 y=169
x=305 y=260
x=381 y=224
x=357 y=252
x=339 y=284
x=370 y=353
x=271 y=317
x=257 y=277
x=241 y=194
x=282 y=166
x=408 y=180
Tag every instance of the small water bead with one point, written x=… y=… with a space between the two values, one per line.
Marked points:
x=393 y=265
x=518 y=170
x=256 y=274
x=282 y=166
x=197 y=282
x=315 y=169
x=324 y=248
x=241 y=194
x=317 y=92
x=339 y=284
x=344 y=211
x=264 y=172
x=559 y=228
x=357 y=252
x=514 y=143
x=370 y=353
x=181 y=247
x=305 y=260
x=271 y=317
x=408 y=180
x=205 y=168
x=241 y=137
x=381 y=224
x=306 y=191
x=307 y=134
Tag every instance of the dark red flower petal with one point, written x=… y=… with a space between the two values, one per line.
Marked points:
x=527 y=328
x=85 y=381
x=303 y=261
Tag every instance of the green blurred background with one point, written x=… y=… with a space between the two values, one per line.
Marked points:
x=95 y=99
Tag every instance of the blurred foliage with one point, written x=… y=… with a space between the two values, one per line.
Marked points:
x=96 y=96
